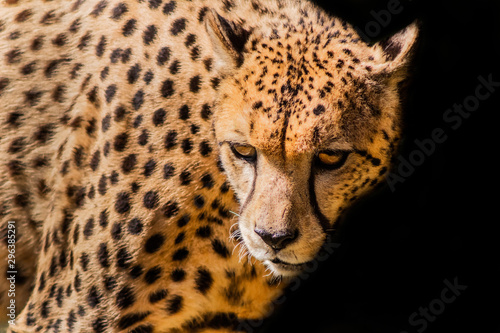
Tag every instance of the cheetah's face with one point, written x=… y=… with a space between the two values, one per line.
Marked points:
x=301 y=138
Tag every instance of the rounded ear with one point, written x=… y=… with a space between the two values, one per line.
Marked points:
x=228 y=40
x=396 y=52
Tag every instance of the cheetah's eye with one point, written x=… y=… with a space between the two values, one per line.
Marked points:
x=245 y=152
x=331 y=160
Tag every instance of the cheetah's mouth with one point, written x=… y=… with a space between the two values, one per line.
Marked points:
x=286 y=268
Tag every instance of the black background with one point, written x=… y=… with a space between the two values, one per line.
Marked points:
x=441 y=222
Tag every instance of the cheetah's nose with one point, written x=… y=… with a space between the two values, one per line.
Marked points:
x=278 y=240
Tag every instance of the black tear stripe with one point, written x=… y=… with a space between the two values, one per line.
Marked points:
x=249 y=197
x=323 y=220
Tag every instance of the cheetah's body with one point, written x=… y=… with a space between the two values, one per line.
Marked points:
x=110 y=160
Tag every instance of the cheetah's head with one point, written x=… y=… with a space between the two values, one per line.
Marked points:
x=307 y=120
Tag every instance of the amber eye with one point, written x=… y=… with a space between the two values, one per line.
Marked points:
x=332 y=159
x=245 y=152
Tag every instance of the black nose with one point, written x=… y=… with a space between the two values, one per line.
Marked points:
x=277 y=240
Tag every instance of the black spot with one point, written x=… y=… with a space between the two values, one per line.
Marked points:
x=319 y=109
x=98 y=9
x=204 y=232
x=60 y=40
x=94 y=297
x=114 y=57
x=101 y=47
x=199 y=201
x=208 y=64
x=159 y=117
x=114 y=177
x=88 y=230
x=152 y=275
x=118 y=11
x=185 y=177
x=148 y=77
x=24 y=15
x=131 y=319
x=45 y=309
x=149 y=168
x=106 y=123
x=4 y=82
x=136 y=271
x=167 y=88
x=205 y=148
x=109 y=283
x=168 y=171
x=151 y=199
x=220 y=248
x=37 y=43
x=120 y=112
x=129 y=163
x=207 y=181
x=178 y=26
x=116 y=231
x=195 y=129
x=71 y=320
x=123 y=258
x=120 y=142
x=58 y=93
x=178 y=275
x=169 y=7
x=25 y=70
x=203 y=280
x=163 y=56
x=187 y=145
x=170 y=139
x=17 y=145
x=143 y=138
x=190 y=40
x=13 y=56
x=154 y=4
x=170 y=209
x=103 y=255
x=122 y=204
x=206 y=112
x=129 y=27
x=150 y=34
x=183 y=220
x=195 y=84
x=125 y=298
x=32 y=96
x=102 y=185
x=180 y=254
x=126 y=55
x=84 y=261
x=154 y=243
x=77 y=283
x=195 y=53
x=184 y=112
x=137 y=121
x=138 y=100
x=99 y=325
x=133 y=74
x=158 y=296
x=135 y=226
x=215 y=82
x=174 y=67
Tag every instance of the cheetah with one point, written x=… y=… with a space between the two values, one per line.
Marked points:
x=167 y=166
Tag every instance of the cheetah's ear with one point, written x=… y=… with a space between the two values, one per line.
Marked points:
x=228 y=40
x=397 y=52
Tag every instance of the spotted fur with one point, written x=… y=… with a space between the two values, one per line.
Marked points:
x=118 y=125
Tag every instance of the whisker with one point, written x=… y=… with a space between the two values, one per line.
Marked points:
x=234 y=213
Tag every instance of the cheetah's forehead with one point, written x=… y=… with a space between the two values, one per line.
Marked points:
x=307 y=90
